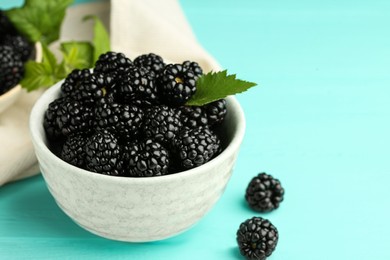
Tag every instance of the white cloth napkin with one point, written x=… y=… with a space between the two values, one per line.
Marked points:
x=136 y=27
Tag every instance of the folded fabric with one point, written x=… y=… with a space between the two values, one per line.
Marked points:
x=136 y=27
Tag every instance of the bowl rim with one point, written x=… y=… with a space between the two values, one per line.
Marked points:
x=35 y=123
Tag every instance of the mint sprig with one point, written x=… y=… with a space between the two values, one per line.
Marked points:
x=75 y=55
x=38 y=20
x=217 y=85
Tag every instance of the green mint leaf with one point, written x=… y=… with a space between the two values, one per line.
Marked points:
x=43 y=74
x=101 y=39
x=39 y=20
x=217 y=85
x=77 y=55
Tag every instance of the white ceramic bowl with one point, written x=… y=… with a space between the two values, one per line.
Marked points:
x=11 y=96
x=136 y=209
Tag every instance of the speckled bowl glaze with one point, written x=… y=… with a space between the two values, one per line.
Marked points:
x=136 y=209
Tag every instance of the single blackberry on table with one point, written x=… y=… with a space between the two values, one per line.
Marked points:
x=73 y=81
x=264 y=193
x=20 y=44
x=6 y=26
x=216 y=112
x=73 y=150
x=194 y=66
x=136 y=86
x=152 y=62
x=112 y=61
x=70 y=116
x=103 y=154
x=11 y=68
x=177 y=84
x=122 y=119
x=193 y=116
x=146 y=158
x=161 y=123
x=257 y=238
x=194 y=147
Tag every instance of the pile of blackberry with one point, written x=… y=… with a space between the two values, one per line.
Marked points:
x=15 y=49
x=129 y=118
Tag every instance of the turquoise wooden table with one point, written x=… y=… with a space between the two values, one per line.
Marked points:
x=319 y=121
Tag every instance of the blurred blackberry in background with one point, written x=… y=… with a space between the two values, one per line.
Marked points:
x=146 y=159
x=177 y=84
x=264 y=193
x=194 y=147
x=20 y=44
x=103 y=154
x=11 y=68
x=257 y=238
x=152 y=62
x=6 y=26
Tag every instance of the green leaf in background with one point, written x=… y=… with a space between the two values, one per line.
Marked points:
x=43 y=74
x=39 y=20
x=77 y=55
x=217 y=85
x=101 y=39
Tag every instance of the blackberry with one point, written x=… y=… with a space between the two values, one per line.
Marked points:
x=147 y=158
x=52 y=130
x=193 y=116
x=6 y=26
x=216 y=112
x=73 y=150
x=20 y=44
x=257 y=238
x=123 y=120
x=112 y=61
x=177 y=84
x=11 y=68
x=162 y=124
x=194 y=66
x=264 y=193
x=194 y=147
x=137 y=87
x=74 y=80
x=67 y=116
x=152 y=62
x=103 y=154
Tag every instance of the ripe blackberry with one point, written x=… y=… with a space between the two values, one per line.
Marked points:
x=65 y=116
x=146 y=158
x=121 y=119
x=194 y=66
x=103 y=154
x=257 y=238
x=11 y=68
x=194 y=147
x=73 y=150
x=112 y=61
x=73 y=81
x=152 y=62
x=193 y=116
x=264 y=193
x=177 y=84
x=20 y=44
x=6 y=26
x=137 y=87
x=162 y=124
x=216 y=111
